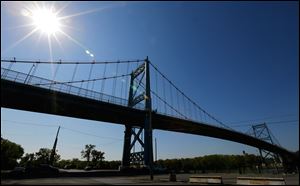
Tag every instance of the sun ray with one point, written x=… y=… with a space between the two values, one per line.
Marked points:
x=50 y=48
x=84 y=12
x=39 y=38
x=51 y=56
x=78 y=14
x=57 y=40
x=37 y=6
x=74 y=40
x=91 y=11
x=20 y=40
x=20 y=26
x=62 y=8
x=70 y=27
x=52 y=6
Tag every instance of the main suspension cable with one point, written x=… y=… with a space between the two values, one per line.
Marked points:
x=196 y=105
x=71 y=62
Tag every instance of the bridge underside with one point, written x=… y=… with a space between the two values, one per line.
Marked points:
x=25 y=97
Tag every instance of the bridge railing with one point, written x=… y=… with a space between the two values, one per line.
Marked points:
x=20 y=77
x=24 y=78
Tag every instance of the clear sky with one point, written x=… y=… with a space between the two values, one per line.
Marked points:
x=238 y=60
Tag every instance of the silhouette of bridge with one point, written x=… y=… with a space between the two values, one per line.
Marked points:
x=121 y=95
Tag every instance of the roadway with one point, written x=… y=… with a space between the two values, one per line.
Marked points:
x=182 y=179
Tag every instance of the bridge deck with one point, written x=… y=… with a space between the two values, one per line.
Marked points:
x=17 y=95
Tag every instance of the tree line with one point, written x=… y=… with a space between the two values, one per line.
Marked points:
x=214 y=163
x=12 y=155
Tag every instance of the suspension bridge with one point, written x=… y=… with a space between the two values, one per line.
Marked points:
x=133 y=93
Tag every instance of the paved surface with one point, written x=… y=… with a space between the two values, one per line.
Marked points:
x=182 y=179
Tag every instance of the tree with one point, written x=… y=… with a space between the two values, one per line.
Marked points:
x=97 y=158
x=40 y=157
x=10 y=153
x=97 y=155
x=87 y=152
x=28 y=160
x=43 y=156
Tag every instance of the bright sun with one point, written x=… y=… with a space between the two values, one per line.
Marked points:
x=46 y=21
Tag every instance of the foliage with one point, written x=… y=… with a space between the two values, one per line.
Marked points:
x=212 y=163
x=87 y=152
x=78 y=164
x=43 y=156
x=40 y=157
x=97 y=156
x=10 y=153
x=28 y=160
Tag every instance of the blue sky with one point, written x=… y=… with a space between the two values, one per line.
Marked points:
x=238 y=60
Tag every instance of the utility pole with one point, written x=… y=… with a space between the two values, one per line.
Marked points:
x=54 y=148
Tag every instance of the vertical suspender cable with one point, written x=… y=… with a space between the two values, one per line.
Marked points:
x=11 y=64
x=156 y=83
x=90 y=73
x=199 y=111
x=177 y=101
x=80 y=88
x=192 y=113
x=195 y=112
x=28 y=75
x=164 y=92
x=114 y=82
x=122 y=82
x=55 y=72
x=183 y=101
x=9 y=67
x=73 y=75
x=189 y=109
x=171 y=98
x=54 y=75
x=126 y=85
x=33 y=72
x=93 y=84
x=103 y=82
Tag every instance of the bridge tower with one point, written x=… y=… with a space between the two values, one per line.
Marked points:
x=261 y=131
x=145 y=156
